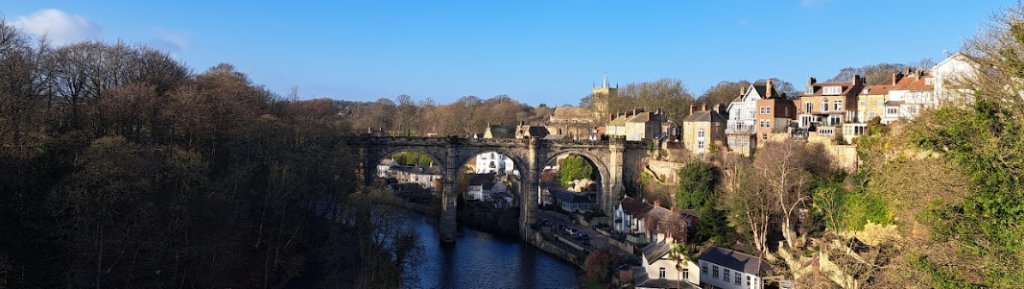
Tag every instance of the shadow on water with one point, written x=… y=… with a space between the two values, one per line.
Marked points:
x=476 y=260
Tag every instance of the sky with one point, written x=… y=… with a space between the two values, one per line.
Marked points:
x=548 y=51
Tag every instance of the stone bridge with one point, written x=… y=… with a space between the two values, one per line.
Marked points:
x=529 y=155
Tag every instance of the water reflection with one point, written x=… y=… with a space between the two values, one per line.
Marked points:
x=482 y=260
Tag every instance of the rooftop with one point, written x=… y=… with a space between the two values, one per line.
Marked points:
x=735 y=260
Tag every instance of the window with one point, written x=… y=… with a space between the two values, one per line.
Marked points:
x=824 y=105
x=833 y=90
x=881 y=103
x=928 y=81
x=863 y=103
x=700 y=144
x=661 y=273
x=748 y=281
x=809 y=90
x=714 y=271
x=871 y=115
x=838 y=105
x=764 y=136
x=737 y=279
x=808 y=107
x=725 y=275
x=700 y=133
x=768 y=110
x=760 y=110
x=704 y=268
x=787 y=111
x=767 y=123
x=891 y=111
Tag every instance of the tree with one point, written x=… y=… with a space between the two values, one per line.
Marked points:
x=573 y=168
x=596 y=265
x=749 y=204
x=783 y=169
x=696 y=185
x=723 y=93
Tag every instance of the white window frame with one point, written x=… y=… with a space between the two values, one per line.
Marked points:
x=824 y=105
x=661 y=273
x=838 y=105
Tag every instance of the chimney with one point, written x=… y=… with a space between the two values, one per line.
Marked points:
x=657 y=203
x=704 y=106
x=768 y=89
x=896 y=78
x=692 y=106
x=856 y=79
x=369 y=130
x=743 y=90
x=811 y=81
x=718 y=108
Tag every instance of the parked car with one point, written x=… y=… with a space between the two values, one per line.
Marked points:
x=546 y=222
x=582 y=236
x=571 y=231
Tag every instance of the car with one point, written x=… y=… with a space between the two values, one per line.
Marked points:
x=582 y=236
x=571 y=231
x=546 y=222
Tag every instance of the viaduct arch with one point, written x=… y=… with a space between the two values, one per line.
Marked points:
x=528 y=155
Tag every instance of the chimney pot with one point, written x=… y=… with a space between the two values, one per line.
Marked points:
x=856 y=79
x=704 y=107
x=811 y=81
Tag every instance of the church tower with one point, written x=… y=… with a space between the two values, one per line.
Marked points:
x=602 y=95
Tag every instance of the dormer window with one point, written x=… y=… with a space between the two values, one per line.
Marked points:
x=928 y=81
x=833 y=90
x=809 y=90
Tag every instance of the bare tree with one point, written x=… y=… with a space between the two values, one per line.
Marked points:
x=783 y=169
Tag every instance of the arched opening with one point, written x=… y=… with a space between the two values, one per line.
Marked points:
x=414 y=176
x=572 y=184
x=489 y=188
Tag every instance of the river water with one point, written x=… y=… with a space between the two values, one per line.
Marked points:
x=482 y=260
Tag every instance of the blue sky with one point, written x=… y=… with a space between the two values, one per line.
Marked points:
x=548 y=51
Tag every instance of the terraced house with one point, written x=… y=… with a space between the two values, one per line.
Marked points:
x=826 y=107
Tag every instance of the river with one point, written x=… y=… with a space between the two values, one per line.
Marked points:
x=482 y=260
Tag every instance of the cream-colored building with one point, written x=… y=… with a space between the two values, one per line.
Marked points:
x=702 y=129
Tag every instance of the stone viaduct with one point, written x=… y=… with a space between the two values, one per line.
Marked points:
x=529 y=155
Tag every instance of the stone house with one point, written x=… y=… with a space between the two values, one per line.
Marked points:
x=728 y=269
x=702 y=129
x=826 y=107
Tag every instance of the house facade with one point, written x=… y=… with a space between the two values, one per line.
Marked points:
x=670 y=130
x=950 y=75
x=384 y=166
x=629 y=215
x=572 y=202
x=914 y=92
x=826 y=107
x=774 y=115
x=481 y=186
x=424 y=176
x=492 y=162
x=643 y=126
x=728 y=269
x=663 y=269
x=702 y=129
x=741 y=127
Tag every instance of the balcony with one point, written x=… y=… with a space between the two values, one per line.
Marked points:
x=740 y=129
x=826 y=124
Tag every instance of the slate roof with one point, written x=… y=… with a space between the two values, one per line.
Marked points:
x=555 y=136
x=388 y=162
x=571 y=197
x=619 y=121
x=432 y=170
x=641 y=117
x=501 y=131
x=656 y=250
x=533 y=131
x=485 y=180
x=633 y=207
x=568 y=112
x=735 y=260
x=705 y=116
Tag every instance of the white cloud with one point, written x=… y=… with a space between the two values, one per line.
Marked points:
x=813 y=3
x=59 y=27
x=172 y=41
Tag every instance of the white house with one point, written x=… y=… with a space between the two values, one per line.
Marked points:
x=481 y=186
x=740 y=129
x=661 y=268
x=728 y=269
x=950 y=74
x=492 y=162
x=384 y=166
x=629 y=214
x=424 y=176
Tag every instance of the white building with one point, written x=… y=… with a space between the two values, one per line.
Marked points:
x=661 y=269
x=492 y=162
x=728 y=269
x=740 y=129
x=384 y=166
x=950 y=74
x=481 y=186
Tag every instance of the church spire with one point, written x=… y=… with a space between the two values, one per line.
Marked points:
x=605 y=83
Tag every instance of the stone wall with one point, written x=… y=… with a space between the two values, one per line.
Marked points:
x=668 y=172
